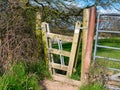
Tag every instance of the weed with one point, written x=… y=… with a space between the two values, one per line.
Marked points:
x=93 y=86
x=39 y=68
x=17 y=79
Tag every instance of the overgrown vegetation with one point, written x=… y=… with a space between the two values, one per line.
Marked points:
x=39 y=68
x=17 y=36
x=16 y=78
x=93 y=86
x=24 y=76
x=21 y=63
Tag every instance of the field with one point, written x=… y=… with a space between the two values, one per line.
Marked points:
x=109 y=53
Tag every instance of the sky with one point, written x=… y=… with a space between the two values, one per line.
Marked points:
x=87 y=3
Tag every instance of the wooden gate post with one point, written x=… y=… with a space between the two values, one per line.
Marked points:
x=38 y=33
x=88 y=50
x=86 y=14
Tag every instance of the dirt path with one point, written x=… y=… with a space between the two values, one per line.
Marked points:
x=54 y=85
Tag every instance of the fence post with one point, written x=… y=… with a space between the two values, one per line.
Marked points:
x=89 y=43
x=86 y=14
x=38 y=34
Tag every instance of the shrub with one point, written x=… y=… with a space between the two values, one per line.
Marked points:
x=17 y=79
x=39 y=68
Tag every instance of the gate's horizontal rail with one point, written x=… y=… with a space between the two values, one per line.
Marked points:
x=108 y=47
x=108 y=31
x=114 y=69
x=112 y=59
x=59 y=52
x=59 y=66
x=115 y=77
x=61 y=37
x=115 y=83
x=109 y=14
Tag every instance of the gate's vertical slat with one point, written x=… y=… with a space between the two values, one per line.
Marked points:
x=50 y=46
x=74 y=48
x=96 y=38
x=77 y=51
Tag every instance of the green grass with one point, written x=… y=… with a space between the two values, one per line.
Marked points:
x=93 y=86
x=39 y=68
x=110 y=53
x=24 y=76
x=16 y=78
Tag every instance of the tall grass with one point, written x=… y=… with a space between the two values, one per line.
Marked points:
x=93 y=86
x=39 y=68
x=16 y=78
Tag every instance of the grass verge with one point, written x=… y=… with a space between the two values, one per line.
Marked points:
x=93 y=86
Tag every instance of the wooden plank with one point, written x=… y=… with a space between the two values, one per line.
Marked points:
x=51 y=59
x=74 y=48
x=113 y=83
x=64 y=79
x=77 y=52
x=61 y=37
x=59 y=66
x=56 y=51
x=115 y=77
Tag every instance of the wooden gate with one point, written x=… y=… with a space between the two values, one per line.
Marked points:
x=87 y=41
x=48 y=37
